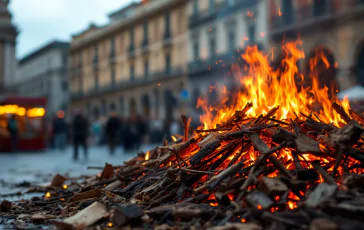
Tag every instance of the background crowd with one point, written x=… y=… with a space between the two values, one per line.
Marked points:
x=112 y=131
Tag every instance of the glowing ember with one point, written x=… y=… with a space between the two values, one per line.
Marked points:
x=147 y=156
x=214 y=204
x=170 y=163
x=48 y=195
x=292 y=205
x=65 y=186
x=243 y=220
x=259 y=207
x=110 y=224
x=174 y=138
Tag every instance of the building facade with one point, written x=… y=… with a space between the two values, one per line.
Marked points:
x=219 y=30
x=333 y=27
x=43 y=73
x=136 y=64
x=8 y=34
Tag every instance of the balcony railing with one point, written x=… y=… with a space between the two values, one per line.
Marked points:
x=221 y=9
x=112 y=57
x=310 y=13
x=145 y=45
x=131 y=50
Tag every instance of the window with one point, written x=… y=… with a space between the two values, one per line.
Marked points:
x=168 y=64
x=113 y=78
x=167 y=22
x=64 y=86
x=196 y=50
x=145 y=29
x=212 y=6
x=231 y=40
x=131 y=39
x=112 y=47
x=251 y=33
x=96 y=81
x=132 y=72
x=146 y=69
x=195 y=7
x=212 y=45
x=96 y=54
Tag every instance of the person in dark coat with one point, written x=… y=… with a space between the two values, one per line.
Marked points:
x=80 y=133
x=60 y=130
x=112 y=131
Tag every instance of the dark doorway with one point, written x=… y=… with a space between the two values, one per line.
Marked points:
x=169 y=103
x=132 y=107
x=157 y=102
x=146 y=105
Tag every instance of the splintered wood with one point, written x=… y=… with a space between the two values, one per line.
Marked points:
x=247 y=173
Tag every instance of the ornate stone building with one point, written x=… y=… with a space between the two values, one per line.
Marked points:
x=137 y=63
x=8 y=33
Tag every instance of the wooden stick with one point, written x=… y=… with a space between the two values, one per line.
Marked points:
x=328 y=179
x=186 y=125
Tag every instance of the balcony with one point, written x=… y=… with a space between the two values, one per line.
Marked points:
x=222 y=9
x=306 y=19
x=76 y=95
x=145 y=45
x=214 y=62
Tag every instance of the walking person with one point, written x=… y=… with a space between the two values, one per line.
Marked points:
x=96 y=129
x=80 y=132
x=13 y=130
x=112 y=131
x=60 y=130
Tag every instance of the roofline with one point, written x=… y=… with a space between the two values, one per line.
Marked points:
x=134 y=3
x=117 y=26
x=49 y=46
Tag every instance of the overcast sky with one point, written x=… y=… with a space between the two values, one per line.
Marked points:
x=40 y=21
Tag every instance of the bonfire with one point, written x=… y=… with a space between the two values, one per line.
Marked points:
x=284 y=155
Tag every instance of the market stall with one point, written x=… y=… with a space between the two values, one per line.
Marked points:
x=29 y=114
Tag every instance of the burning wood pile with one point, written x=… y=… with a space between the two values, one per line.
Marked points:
x=249 y=167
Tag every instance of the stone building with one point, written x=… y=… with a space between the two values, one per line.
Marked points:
x=43 y=73
x=219 y=30
x=334 y=27
x=137 y=63
x=8 y=34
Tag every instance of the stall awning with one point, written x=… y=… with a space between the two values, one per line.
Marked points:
x=23 y=101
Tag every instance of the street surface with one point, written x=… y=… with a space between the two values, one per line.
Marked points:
x=40 y=167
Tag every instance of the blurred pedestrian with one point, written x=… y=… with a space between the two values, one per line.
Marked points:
x=96 y=130
x=60 y=130
x=112 y=131
x=80 y=133
x=13 y=130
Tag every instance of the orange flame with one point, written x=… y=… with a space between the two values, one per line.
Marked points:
x=279 y=12
x=174 y=138
x=267 y=88
x=147 y=156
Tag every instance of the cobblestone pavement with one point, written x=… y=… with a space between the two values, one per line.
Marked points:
x=40 y=167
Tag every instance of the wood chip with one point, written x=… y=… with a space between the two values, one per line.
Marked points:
x=83 y=218
x=58 y=180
